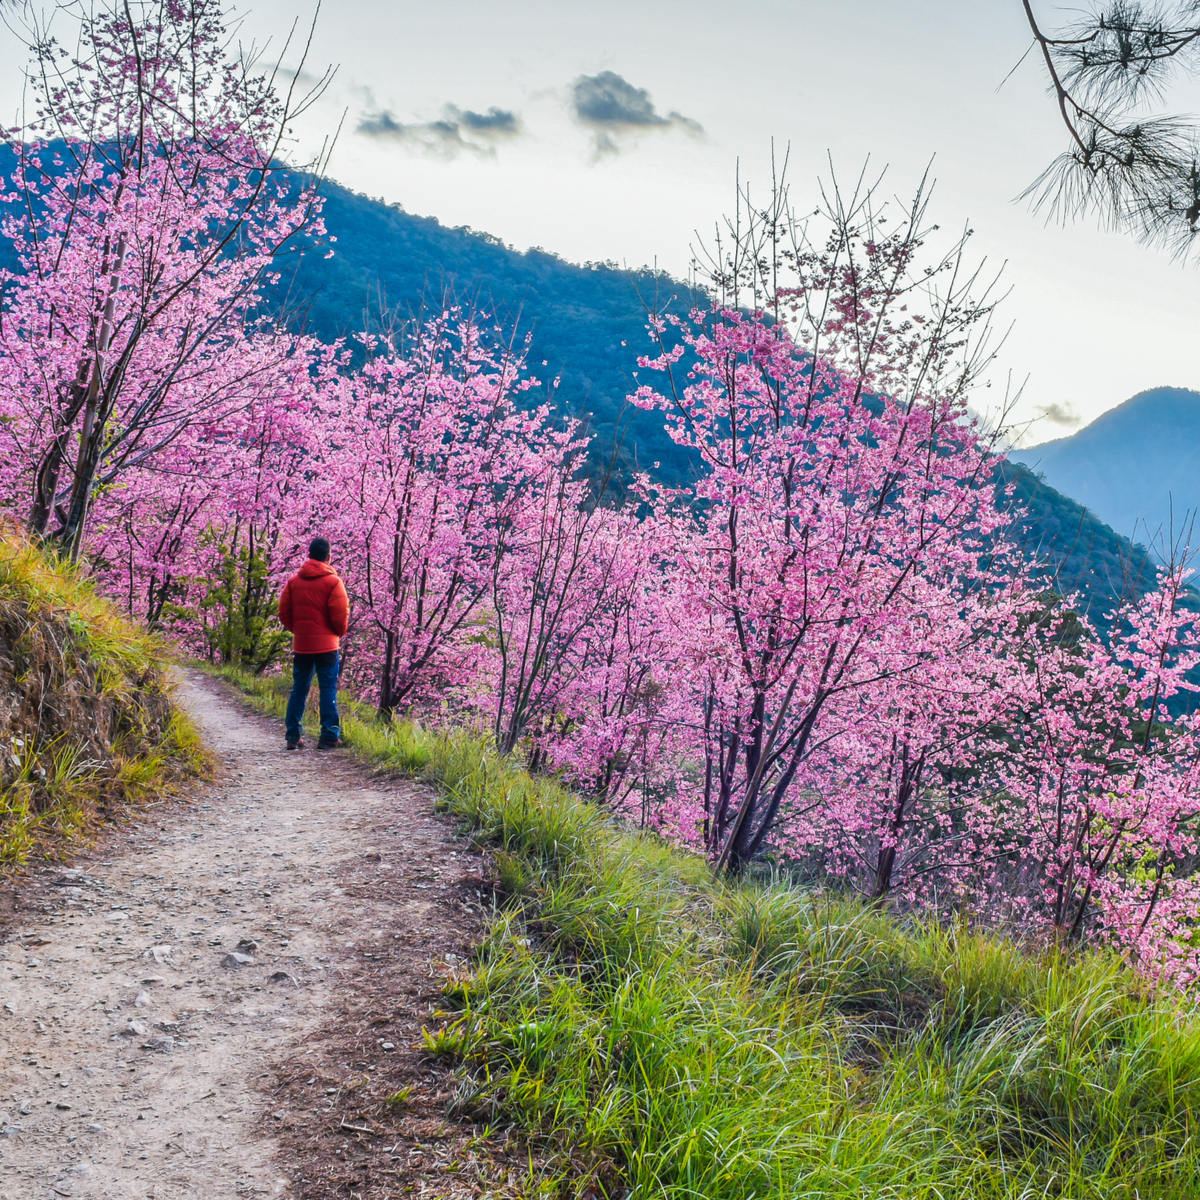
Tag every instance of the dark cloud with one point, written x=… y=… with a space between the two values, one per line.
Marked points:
x=458 y=130
x=496 y=121
x=610 y=105
x=1059 y=414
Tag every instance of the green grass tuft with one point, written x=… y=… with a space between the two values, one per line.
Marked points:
x=89 y=730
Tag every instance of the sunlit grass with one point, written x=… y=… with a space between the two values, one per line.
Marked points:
x=658 y=1032
x=73 y=662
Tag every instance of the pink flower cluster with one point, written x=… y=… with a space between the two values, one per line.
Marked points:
x=825 y=648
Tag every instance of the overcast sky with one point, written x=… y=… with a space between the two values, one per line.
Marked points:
x=612 y=131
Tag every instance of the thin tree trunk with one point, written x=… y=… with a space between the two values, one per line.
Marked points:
x=95 y=418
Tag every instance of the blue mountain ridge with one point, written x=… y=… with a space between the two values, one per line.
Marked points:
x=1137 y=466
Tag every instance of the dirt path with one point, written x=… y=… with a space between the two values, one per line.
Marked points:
x=217 y=1002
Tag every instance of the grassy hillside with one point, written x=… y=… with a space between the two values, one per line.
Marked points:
x=86 y=724
x=656 y=1032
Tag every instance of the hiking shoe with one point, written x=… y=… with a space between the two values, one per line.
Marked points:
x=298 y=744
x=326 y=745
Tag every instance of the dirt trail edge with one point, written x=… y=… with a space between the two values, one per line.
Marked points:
x=219 y=999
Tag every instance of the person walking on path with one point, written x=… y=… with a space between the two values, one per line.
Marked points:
x=315 y=610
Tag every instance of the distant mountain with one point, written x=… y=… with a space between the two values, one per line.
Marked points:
x=1137 y=466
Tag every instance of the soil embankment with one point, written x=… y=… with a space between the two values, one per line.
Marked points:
x=218 y=1001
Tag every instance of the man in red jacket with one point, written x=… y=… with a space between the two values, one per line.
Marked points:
x=315 y=609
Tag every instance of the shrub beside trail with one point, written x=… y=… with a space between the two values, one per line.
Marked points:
x=87 y=728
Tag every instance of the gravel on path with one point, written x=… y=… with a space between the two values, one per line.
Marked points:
x=216 y=1001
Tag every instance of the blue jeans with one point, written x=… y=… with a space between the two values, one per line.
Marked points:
x=327 y=668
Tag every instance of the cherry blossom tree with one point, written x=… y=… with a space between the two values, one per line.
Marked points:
x=911 y=772
x=146 y=206
x=425 y=456
x=618 y=729
x=1107 y=774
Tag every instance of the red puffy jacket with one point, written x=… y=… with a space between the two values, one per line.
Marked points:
x=314 y=607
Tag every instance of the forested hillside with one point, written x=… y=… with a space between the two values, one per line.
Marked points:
x=588 y=324
x=1082 y=553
